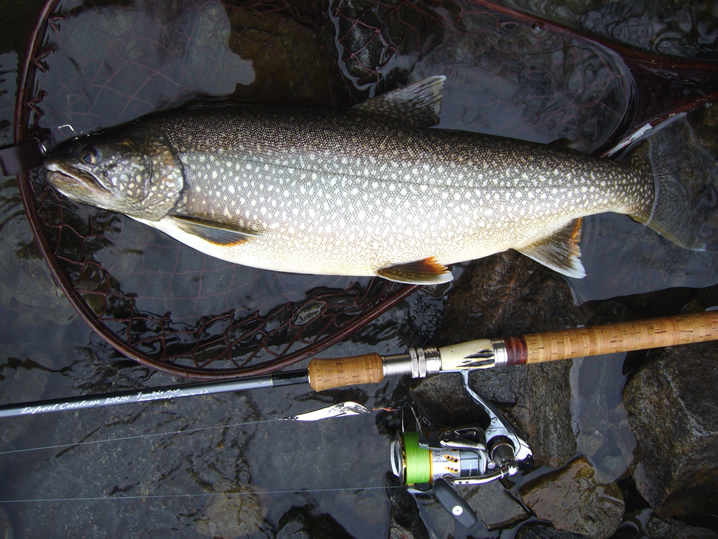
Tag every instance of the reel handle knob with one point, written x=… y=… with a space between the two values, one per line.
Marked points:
x=454 y=503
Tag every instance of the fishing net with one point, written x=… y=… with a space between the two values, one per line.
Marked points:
x=91 y=65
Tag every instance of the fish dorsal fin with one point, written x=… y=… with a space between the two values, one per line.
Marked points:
x=417 y=104
x=213 y=232
x=426 y=271
x=559 y=251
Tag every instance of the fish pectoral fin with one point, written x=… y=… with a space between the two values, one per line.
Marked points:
x=417 y=104
x=426 y=271
x=213 y=232
x=559 y=251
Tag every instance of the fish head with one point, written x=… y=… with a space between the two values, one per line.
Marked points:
x=133 y=170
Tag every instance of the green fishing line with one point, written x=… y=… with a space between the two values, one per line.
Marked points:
x=418 y=460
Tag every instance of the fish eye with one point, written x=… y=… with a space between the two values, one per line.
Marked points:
x=89 y=155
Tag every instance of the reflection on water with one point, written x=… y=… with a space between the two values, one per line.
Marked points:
x=272 y=470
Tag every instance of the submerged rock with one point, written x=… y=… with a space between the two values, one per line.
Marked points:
x=666 y=527
x=405 y=520
x=494 y=506
x=674 y=418
x=237 y=511
x=540 y=530
x=572 y=500
x=301 y=522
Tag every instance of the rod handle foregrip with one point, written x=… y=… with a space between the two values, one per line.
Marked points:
x=326 y=373
x=613 y=338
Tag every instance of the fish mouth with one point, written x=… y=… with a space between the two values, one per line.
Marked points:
x=73 y=183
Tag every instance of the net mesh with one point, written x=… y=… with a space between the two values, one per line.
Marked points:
x=92 y=65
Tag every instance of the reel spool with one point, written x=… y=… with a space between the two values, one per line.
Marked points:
x=416 y=463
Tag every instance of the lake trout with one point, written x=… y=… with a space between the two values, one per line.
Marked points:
x=369 y=190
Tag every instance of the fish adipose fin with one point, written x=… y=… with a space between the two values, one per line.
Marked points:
x=417 y=105
x=212 y=232
x=427 y=271
x=560 y=251
x=685 y=206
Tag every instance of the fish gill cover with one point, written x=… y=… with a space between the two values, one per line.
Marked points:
x=98 y=64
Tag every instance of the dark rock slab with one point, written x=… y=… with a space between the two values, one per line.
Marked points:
x=494 y=505
x=666 y=527
x=572 y=500
x=541 y=530
x=672 y=411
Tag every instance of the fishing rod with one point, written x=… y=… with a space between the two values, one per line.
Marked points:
x=328 y=373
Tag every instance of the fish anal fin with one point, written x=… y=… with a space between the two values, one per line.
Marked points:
x=417 y=104
x=213 y=232
x=559 y=251
x=426 y=271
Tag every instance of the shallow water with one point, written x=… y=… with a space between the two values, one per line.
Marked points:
x=157 y=478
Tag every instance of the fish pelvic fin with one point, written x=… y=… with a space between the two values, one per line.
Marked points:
x=684 y=206
x=417 y=104
x=560 y=251
x=427 y=271
x=215 y=233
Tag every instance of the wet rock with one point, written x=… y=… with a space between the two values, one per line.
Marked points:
x=237 y=511
x=367 y=507
x=572 y=500
x=405 y=520
x=443 y=401
x=666 y=527
x=543 y=412
x=301 y=522
x=494 y=506
x=539 y=530
x=674 y=418
x=280 y=48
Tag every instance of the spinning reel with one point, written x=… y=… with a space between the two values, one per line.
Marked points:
x=436 y=460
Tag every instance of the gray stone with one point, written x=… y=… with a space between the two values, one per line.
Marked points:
x=666 y=527
x=572 y=500
x=493 y=505
x=673 y=415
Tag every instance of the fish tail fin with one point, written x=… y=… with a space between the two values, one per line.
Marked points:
x=683 y=209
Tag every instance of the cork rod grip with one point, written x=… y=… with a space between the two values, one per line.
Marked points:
x=622 y=337
x=345 y=371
